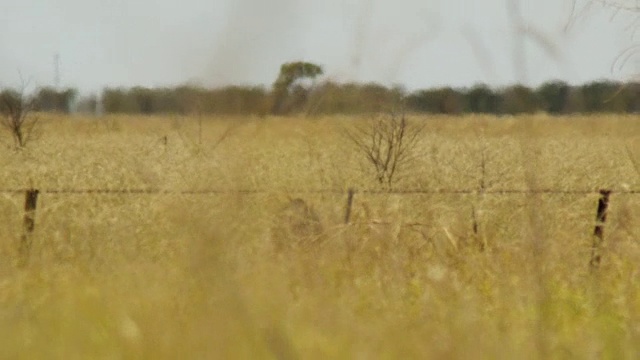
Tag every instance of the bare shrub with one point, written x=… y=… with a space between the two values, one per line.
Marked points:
x=389 y=144
x=297 y=225
x=16 y=115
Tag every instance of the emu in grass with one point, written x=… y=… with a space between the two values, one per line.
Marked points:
x=296 y=226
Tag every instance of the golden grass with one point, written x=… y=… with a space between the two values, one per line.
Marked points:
x=196 y=276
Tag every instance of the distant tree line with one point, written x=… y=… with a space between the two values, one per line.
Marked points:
x=45 y=99
x=555 y=97
x=294 y=97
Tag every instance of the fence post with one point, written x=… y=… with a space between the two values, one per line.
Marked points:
x=347 y=215
x=480 y=241
x=475 y=226
x=29 y=224
x=598 y=231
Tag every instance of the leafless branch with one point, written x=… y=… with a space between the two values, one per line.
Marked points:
x=16 y=115
x=388 y=144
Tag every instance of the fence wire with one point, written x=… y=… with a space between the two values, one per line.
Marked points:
x=140 y=191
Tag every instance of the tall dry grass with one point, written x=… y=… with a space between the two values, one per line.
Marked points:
x=198 y=276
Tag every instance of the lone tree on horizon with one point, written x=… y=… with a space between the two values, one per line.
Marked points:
x=290 y=75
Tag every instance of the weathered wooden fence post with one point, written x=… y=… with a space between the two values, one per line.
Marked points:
x=475 y=226
x=598 y=231
x=29 y=224
x=347 y=215
x=479 y=240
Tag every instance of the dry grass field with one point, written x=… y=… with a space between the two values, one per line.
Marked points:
x=267 y=269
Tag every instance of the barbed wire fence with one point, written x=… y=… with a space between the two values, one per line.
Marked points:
x=31 y=198
x=154 y=191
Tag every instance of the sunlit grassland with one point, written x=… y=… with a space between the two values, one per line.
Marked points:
x=179 y=275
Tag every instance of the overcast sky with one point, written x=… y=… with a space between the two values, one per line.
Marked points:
x=416 y=43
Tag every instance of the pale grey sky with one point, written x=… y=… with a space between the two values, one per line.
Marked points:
x=416 y=43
